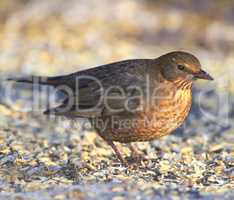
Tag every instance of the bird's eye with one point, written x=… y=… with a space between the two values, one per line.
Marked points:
x=181 y=67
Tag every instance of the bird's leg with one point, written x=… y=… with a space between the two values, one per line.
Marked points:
x=109 y=142
x=124 y=162
x=135 y=153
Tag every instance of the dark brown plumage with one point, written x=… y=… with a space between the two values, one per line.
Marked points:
x=132 y=100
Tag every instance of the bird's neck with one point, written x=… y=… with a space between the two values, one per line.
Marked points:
x=183 y=84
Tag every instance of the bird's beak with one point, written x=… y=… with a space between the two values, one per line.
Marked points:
x=203 y=75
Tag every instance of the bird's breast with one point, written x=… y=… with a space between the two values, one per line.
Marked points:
x=152 y=122
x=166 y=115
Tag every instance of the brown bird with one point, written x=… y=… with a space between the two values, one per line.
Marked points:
x=131 y=100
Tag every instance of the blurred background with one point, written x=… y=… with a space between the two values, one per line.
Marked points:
x=51 y=37
x=55 y=37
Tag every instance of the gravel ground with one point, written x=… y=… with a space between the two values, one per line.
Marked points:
x=56 y=158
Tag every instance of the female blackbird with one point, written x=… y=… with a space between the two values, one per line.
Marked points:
x=131 y=100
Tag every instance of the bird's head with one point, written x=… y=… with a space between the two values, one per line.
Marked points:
x=178 y=65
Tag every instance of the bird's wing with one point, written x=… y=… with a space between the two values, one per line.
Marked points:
x=108 y=86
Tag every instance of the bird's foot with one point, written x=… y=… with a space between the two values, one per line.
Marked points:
x=135 y=159
x=136 y=156
x=121 y=159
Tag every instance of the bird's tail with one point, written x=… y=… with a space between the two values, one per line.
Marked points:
x=54 y=81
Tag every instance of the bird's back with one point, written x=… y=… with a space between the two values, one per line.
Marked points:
x=89 y=87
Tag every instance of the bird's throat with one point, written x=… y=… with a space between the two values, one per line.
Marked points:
x=183 y=84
